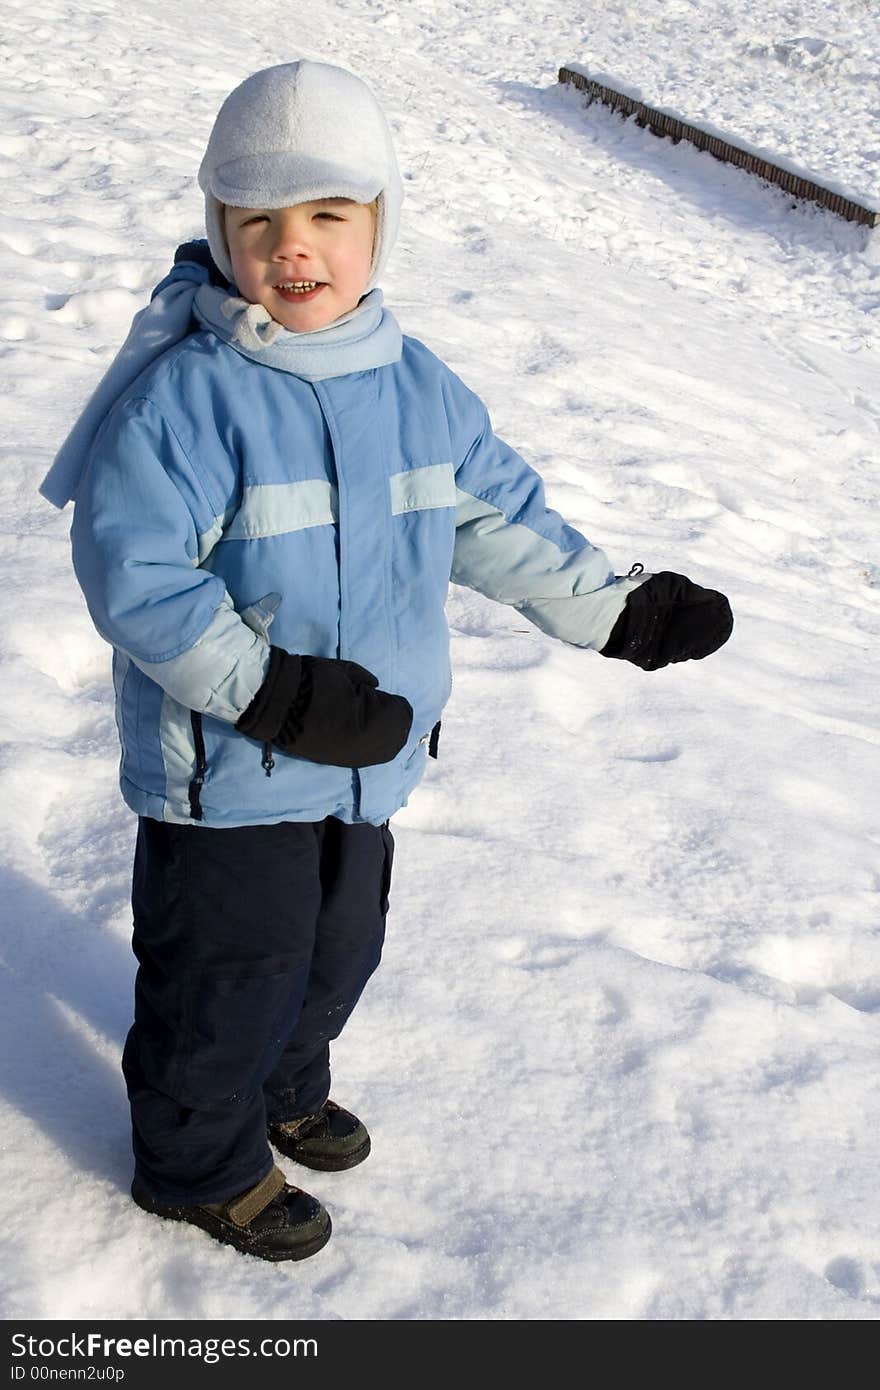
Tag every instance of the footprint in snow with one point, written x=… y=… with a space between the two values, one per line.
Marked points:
x=851 y=1277
x=656 y=755
x=550 y=955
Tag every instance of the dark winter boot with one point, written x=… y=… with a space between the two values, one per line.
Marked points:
x=331 y=1140
x=273 y=1220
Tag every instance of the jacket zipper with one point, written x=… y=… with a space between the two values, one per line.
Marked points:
x=198 y=781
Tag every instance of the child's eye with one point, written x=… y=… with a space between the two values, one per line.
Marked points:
x=334 y=217
x=250 y=221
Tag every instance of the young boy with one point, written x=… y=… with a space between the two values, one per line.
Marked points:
x=287 y=458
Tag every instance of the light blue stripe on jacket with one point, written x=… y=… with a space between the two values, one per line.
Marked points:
x=271 y=509
x=429 y=485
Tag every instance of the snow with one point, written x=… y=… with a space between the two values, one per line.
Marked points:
x=620 y=1061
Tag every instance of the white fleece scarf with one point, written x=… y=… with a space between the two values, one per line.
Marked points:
x=368 y=336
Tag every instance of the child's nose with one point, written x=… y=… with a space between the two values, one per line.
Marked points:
x=292 y=238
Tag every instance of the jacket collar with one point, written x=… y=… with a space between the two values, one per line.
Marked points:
x=369 y=336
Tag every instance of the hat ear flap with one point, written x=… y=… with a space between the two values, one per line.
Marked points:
x=378 y=243
x=215 y=224
x=388 y=205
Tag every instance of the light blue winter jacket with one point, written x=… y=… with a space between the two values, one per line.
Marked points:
x=223 y=495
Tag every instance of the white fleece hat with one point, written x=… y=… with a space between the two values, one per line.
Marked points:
x=292 y=134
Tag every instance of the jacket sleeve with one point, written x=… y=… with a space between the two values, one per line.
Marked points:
x=142 y=522
x=510 y=546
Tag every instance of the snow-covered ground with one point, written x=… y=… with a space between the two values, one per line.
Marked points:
x=621 y=1060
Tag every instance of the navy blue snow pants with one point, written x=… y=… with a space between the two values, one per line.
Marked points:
x=254 y=944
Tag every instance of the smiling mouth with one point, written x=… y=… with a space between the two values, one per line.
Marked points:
x=298 y=289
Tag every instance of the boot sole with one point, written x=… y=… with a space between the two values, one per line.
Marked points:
x=324 y=1163
x=230 y=1235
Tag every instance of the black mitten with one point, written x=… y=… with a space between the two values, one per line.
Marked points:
x=326 y=710
x=668 y=618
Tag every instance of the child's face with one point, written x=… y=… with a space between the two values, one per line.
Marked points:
x=329 y=241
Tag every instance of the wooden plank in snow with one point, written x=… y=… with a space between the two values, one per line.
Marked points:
x=663 y=123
